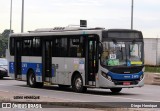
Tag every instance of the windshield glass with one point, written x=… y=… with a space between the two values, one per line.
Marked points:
x=121 y=53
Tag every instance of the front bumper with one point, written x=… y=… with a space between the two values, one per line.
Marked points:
x=105 y=83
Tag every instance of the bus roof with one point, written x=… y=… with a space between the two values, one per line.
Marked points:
x=68 y=30
x=59 y=31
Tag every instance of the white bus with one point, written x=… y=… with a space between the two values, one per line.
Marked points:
x=78 y=57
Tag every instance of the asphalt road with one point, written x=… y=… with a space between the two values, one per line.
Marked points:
x=148 y=93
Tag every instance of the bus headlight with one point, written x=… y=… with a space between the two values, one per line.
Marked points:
x=106 y=76
x=109 y=78
x=141 y=77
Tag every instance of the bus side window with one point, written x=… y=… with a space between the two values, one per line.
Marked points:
x=74 y=42
x=59 y=47
x=37 y=47
x=64 y=47
x=26 y=51
x=76 y=48
x=56 y=51
x=12 y=47
x=73 y=51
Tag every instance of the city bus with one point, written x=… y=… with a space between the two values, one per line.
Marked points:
x=78 y=57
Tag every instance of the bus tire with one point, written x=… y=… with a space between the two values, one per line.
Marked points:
x=77 y=84
x=31 y=79
x=116 y=90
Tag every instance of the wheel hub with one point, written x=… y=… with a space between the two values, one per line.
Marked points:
x=78 y=83
x=31 y=79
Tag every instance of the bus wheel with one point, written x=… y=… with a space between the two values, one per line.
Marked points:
x=31 y=79
x=116 y=90
x=78 y=84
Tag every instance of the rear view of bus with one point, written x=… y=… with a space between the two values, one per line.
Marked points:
x=122 y=59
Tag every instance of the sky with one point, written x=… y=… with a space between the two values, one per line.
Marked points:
x=98 y=13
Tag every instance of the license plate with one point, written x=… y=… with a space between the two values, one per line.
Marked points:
x=126 y=83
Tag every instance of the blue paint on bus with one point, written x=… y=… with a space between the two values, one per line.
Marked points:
x=37 y=67
x=116 y=76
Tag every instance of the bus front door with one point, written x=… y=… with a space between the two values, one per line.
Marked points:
x=17 y=59
x=92 y=59
x=47 y=60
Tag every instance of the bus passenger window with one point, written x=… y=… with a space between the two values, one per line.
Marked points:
x=27 y=45
x=12 y=47
x=73 y=51
x=60 y=47
x=76 y=47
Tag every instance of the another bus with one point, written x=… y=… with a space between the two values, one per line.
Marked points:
x=79 y=57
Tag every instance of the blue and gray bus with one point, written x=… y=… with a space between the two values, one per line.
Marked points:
x=78 y=57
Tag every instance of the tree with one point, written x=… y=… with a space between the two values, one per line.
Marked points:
x=6 y=33
x=4 y=42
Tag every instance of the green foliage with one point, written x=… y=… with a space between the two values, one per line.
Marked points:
x=4 y=42
x=155 y=69
x=6 y=33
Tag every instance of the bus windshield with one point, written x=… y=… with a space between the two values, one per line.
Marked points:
x=121 y=53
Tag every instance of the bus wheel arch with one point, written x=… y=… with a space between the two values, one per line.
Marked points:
x=77 y=82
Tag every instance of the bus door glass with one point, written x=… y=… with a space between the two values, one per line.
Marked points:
x=17 y=59
x=92 y=57
x=47 y=59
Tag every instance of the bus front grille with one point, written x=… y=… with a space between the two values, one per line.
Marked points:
x=130 y=70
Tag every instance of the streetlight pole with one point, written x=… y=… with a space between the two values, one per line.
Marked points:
x=22 y=21
x=11 y=18
x=132 y=15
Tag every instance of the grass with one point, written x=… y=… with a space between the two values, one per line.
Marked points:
x=155 y=69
